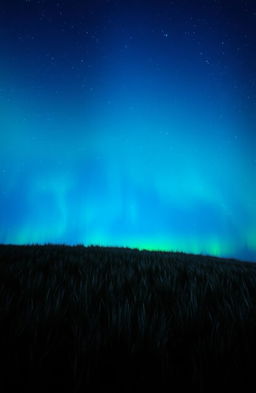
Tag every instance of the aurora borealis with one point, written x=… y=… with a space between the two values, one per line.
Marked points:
x=129 y=123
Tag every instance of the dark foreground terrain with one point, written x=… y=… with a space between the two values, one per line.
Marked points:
x=95 y=319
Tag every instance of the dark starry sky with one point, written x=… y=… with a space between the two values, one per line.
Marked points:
x=129 y=123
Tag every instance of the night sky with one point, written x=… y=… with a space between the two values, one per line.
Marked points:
x=129 y=123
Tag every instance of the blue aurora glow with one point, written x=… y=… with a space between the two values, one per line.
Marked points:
x=129 y=125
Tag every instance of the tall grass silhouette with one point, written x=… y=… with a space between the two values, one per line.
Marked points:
x=120 y=320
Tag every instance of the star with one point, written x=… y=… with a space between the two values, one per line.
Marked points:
x=165 y=35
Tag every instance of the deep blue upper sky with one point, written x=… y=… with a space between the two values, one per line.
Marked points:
x=129 y=123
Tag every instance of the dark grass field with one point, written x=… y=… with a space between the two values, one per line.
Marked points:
x=95 y=319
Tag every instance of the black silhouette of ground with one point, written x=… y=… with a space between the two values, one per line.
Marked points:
x=79 y=319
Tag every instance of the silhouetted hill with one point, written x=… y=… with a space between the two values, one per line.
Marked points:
x=95 y=319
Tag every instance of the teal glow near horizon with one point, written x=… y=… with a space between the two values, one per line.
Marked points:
x=117 y=132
